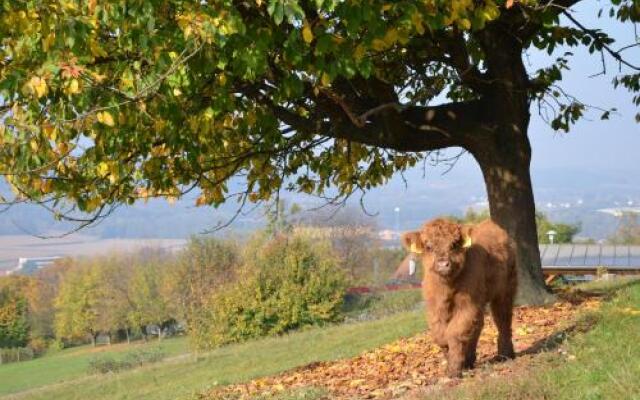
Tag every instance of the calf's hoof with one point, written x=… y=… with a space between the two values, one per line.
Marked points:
x=454 y=373
x=506 y=355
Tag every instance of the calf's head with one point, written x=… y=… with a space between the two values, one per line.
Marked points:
x=443 y=245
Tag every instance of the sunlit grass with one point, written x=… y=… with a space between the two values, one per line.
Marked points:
x=181 y=377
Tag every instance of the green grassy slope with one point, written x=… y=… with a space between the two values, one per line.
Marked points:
x=181 y=377
x=603 y=363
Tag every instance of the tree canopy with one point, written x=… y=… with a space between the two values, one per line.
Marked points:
x=107 y=102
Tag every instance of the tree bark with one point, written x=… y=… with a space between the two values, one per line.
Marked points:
x=505 y=165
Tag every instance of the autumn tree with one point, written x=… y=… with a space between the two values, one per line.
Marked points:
x=41 y=295
x=564 y=233
x=353 y=237
x=79 y=305
x=14 y=321
x=628 y=230
x=104 y=103
x=150 y=304
x=206 y=264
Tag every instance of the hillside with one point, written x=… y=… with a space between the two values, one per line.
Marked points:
x=565 y=351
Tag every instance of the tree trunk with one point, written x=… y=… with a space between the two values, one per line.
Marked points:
x=505 y=163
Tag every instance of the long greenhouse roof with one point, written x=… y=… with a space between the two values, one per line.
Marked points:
x=590 y=256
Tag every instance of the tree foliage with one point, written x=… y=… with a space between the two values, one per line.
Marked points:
x=564 y=233
x=80 y=305
x=14 y=324
x=628 y=231
x=205 y=265
x=106 y=102
x=291 y=282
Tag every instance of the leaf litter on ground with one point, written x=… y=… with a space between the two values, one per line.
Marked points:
x=416 y=362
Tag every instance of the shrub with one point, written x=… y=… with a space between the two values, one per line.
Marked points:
x=204 y=265
x=134 y=359
x=38 y=345
x=289 y=283
x=15 y=354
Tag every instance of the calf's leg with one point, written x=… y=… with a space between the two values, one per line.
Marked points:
x=502 y=312
x=462 y=338
x=470 y=357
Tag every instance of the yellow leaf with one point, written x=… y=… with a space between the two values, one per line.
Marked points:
x=50 y=132
x=34 y=145
x=307 y=34
x=201 y=200
x=38 y=86
x=251 y=118
x=104 y=117
x=378 y=45
x=102 y=169
x=359 y=53
x=73 y=87
x=92 y=6
x=177 y=92
x=63 y=148
x=96 y=49
x=391 y=37
x=187 y=31
x=68 y=4
x=325 y=79
x=93 y=203
x=464 y=24
x=228 y=121
x=98 y=78
x=416 y=19
x=46 y=186
x=48 y=41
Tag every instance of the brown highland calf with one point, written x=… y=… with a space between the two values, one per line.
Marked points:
x=465 y=267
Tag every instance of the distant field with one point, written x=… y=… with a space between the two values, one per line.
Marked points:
x=180 y=377
x=13 y=247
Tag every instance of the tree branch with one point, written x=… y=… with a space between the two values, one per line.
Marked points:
x=421 y=128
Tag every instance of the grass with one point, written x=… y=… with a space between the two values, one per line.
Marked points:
x=367 y=306
x=73 y=363
x=181 y=377
x=602 y=363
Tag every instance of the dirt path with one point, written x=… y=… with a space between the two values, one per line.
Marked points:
x=416 y=362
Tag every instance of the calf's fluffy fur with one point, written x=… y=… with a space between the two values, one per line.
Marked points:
x=465 y=267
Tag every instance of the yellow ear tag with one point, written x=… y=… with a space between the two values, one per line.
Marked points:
x=467 y=242
x=414 y=249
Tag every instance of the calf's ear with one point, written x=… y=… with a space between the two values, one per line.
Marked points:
x=467 y=242
x=411 y=241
